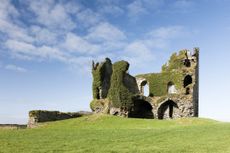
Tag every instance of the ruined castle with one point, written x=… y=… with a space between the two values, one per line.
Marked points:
x=172 y=93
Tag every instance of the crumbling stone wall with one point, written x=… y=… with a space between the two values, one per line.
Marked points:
x=12 y=126
x=174 y=92
x=38 y=116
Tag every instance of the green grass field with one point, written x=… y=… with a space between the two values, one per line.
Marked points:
x=110 y=134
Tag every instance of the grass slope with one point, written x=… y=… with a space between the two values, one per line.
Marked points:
x=110 y=134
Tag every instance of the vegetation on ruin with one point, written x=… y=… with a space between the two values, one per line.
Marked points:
x=119 y=95
x=175 y=62
x=158 y=82
x=171 y=72
x=111 y=134
x=97 y=78
x=35 y=113
x=101 y=104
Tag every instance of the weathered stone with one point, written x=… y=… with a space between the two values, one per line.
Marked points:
x=38 y=116
x=174 y=92
x=12 y=126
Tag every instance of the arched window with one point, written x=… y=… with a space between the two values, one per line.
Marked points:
x=187 y=63
x=187 y=80
x=145 y=88
x=171 y=88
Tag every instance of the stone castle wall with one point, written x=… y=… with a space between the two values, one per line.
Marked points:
x=173 y=93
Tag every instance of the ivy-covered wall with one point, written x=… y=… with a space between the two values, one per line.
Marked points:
x=158 y=82
x=171 y=72
x=175 y=62
x=119 y=95
x=101 y=78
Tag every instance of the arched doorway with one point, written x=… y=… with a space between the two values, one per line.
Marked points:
x=141 y=109
x=187 y=80
x=166 y=109
x=171 y=88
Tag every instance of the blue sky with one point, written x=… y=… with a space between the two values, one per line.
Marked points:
x=46 y=49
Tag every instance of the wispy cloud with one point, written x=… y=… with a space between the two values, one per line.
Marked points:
x=168 y=32
x=74 y=34
x=183 y=5
x=136 y=8
x=110 y=7
x=51 y=14
x=105 y=32
x=29 y=51
x=139 y=7
x=138 y=54
x=15 y=68
x=77 y=44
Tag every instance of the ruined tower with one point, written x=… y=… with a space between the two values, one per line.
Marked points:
x=172 y=93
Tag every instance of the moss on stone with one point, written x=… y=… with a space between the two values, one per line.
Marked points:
x=161 y=99
x=158 y=82
x=119 y=95
x=97 y=79
x=175 y=62
x=35 y=113
x=99 y=105
x=101 y=78
x=171 y=72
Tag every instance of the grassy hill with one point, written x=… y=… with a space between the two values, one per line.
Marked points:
x=111 y=134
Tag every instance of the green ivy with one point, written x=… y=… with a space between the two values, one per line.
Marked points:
x=98 y=76
x=119 y=95
x=175 y=62
x=158 y=82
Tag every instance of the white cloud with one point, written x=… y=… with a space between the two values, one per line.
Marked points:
x=183 y=4
x=138 y=54
x=74 y=43
x=88 y=18
x=112 y=10
x=75 y=35
x=142 y=51
x=43 y=35
x=168 y=32
x=14 y=31
x=51 y=14
x=136 y=8
x=7 y=14
x=15 y=68
x=105 y=32
x=7 y=10
x=110 y=7
x=19 y=46
x=29 y=51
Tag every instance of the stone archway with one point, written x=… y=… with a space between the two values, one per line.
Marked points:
x=141 y=109
x=166 y=109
